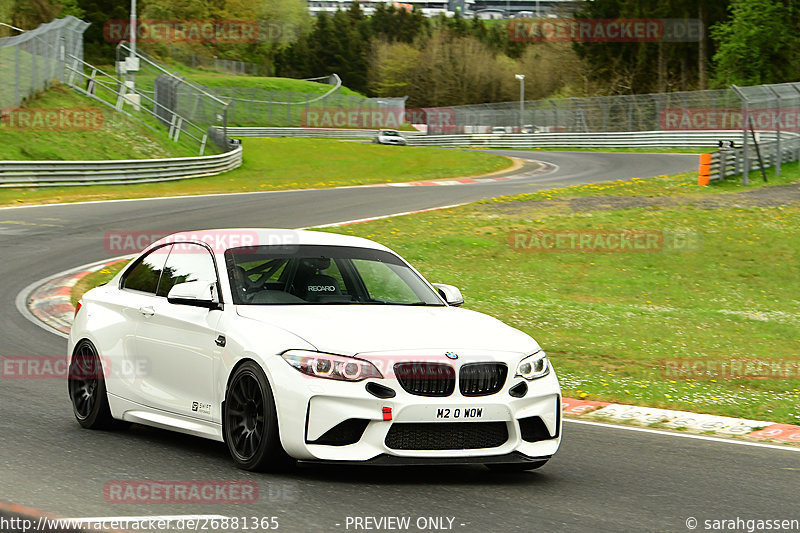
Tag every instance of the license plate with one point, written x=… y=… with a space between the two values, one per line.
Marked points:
x=459 y=413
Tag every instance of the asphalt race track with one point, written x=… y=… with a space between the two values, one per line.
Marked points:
x=603 y=479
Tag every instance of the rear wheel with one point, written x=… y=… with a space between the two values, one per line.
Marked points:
x=251 y=422
x=516 y=467
x=87 y=389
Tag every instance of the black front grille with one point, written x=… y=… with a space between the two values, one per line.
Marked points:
x=426 y=379
x=482 y=379
x=447 y=436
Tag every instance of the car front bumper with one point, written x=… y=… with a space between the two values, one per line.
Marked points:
x=327 y=420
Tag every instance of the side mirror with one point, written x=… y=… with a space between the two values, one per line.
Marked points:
x=450 y=294
x=196 y=294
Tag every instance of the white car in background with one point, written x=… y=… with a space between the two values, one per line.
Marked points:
x=390 y=137
x=302 y=345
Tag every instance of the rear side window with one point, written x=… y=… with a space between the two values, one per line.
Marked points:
x=187 y=262
x=144 y=275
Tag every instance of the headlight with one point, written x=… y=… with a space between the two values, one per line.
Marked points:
x=534 y=366
x=328 y=366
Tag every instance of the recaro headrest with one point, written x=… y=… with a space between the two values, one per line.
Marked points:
x=316 y=263
x=320 y=285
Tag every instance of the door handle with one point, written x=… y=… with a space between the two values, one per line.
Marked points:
x=147 y=311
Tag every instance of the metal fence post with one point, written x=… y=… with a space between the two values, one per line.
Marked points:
x=630 y=113
x=745 y=120
x=252 y=104
x=778 y=153
x=555 y=115
x=796 y=87
x=34 y=51
x=16 y=76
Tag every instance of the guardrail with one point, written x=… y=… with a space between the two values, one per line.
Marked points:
x=640 y=139
x=66 y=173
x=733 y=161
x=326 y=133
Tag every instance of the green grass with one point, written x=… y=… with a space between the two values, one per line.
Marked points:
x=611 y=320
x=120 y=137
x=279 y=163
x=213 y=78
x=200 y=76
x=682 y=185
x=267 y=83
x=262 y=100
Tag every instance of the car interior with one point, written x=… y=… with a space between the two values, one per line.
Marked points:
x=293 y=280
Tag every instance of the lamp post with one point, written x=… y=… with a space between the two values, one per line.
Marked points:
x=132 y=62
x=521 y=78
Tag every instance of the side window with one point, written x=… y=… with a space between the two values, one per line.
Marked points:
x=187 y=262
x=145 y=274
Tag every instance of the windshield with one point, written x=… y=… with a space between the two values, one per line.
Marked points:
x=390 y=133
x=314 y=274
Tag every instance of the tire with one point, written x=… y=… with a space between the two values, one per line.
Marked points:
x=87 y=389
x=515 y=467
x=250 y=422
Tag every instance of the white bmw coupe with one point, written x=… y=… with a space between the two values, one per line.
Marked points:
x=301 y=345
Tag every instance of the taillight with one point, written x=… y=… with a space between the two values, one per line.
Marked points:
x=78 y=307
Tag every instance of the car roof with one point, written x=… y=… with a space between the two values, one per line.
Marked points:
x=222 y=239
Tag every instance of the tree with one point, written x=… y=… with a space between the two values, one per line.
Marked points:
x=391 y=68
x=28 y=14
x=757 y=44
x=641 y=67
x=97 y=12
x=350 y=48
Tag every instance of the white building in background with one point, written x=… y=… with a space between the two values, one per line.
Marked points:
x=429 y=8
x=487 y=9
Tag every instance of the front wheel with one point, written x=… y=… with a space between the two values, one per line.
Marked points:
x=87 y=389
x=251 y=422
x=516 y=467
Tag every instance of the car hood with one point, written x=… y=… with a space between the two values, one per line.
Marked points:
x=354 y=329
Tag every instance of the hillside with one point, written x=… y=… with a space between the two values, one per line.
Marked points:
x=118 y=136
